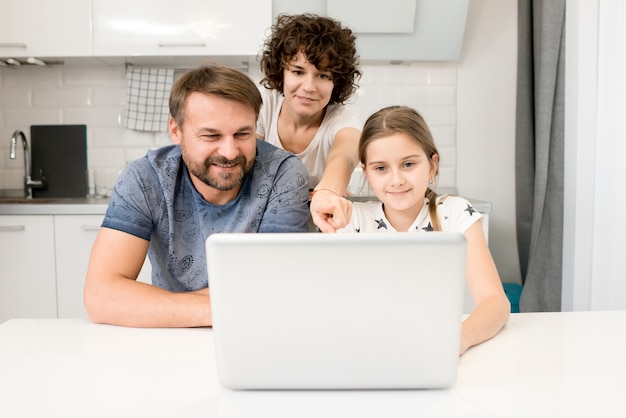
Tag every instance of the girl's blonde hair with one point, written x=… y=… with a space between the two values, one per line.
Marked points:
x=402 y=119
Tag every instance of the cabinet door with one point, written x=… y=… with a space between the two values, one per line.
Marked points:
x=43 y=28
x=185 y=27
x=74 y=237
x=27 y=281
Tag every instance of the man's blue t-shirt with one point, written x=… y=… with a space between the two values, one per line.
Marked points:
x=154 y=199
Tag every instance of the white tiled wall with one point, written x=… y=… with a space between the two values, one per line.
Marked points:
x=431 y=90
x=95 y=95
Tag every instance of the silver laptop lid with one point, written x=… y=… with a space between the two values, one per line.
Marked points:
x=336 y=311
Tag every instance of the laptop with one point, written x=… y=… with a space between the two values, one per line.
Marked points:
x=336 y=311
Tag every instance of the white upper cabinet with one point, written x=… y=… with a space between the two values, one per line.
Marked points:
x=43 y=28
x=179 y=28
x=394 y=30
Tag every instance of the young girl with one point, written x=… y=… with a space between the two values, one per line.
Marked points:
x=400 y=161
x=310 y=70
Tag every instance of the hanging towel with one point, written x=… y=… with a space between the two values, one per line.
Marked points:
x=147 y=98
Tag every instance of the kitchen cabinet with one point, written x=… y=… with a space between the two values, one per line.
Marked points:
x=74 y=237
x=42 y=28
x=183 y=28
x=394 y=30
x=27 y=281
x=44 y=261
x=410 y=30
x=73 y=240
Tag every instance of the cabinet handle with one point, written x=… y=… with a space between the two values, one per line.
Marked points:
x=12 y=45
x=90 y=228
x=183 y=44
x=12 y=228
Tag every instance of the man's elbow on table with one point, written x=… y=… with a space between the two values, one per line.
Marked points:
x=95 y=304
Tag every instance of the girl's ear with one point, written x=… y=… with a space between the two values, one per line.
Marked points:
x=434 y=165
x=365 y=176
x=363 y=170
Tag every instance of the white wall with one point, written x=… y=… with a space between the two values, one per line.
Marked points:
x=96 y=96
x=67 y=94
x=486 y=122
x=594 y=227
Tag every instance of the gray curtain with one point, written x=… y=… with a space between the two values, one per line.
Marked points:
x=539 y=152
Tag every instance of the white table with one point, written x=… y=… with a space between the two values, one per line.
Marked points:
x=540 y=365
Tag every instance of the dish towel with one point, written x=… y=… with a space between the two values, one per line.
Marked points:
x=147 y=98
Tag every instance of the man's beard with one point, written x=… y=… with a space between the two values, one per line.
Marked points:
x=224 y=181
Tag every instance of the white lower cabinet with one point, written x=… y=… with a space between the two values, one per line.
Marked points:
x=44 y=261
x=27 y=280
x=74 y=237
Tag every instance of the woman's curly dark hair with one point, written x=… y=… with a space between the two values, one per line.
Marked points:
x=326 y=44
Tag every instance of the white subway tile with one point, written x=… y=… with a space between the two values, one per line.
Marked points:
x=106 y=137
x=365 y=112
x=404 y=96
x=5 y=133
x=444 y=74
x=12 y=179
x=385 y=74
x=34 y=76
x=108 y=96
x=442 y=96
x=61 y=97
x=255 y=73
x=100 y=118
x=414 y=96
x=138 y=139
x=23 y=118
x=134 y=153
x=161 y=139
x=4 y=156
x=379 y=96
x=15 y=97
x=358 y=185
x=418 y=73
x=444 y=136
x=106 y=158
x=443 y=115
x=447 y=156
x=93 y=76
x=447 y=177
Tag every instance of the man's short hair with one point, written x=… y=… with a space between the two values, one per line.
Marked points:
x=218 y=80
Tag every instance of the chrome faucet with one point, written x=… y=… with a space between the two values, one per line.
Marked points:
x=29 y=183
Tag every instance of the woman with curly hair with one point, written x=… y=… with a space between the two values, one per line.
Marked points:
x=310 y=70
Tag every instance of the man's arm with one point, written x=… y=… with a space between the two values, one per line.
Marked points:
x=112 y=294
